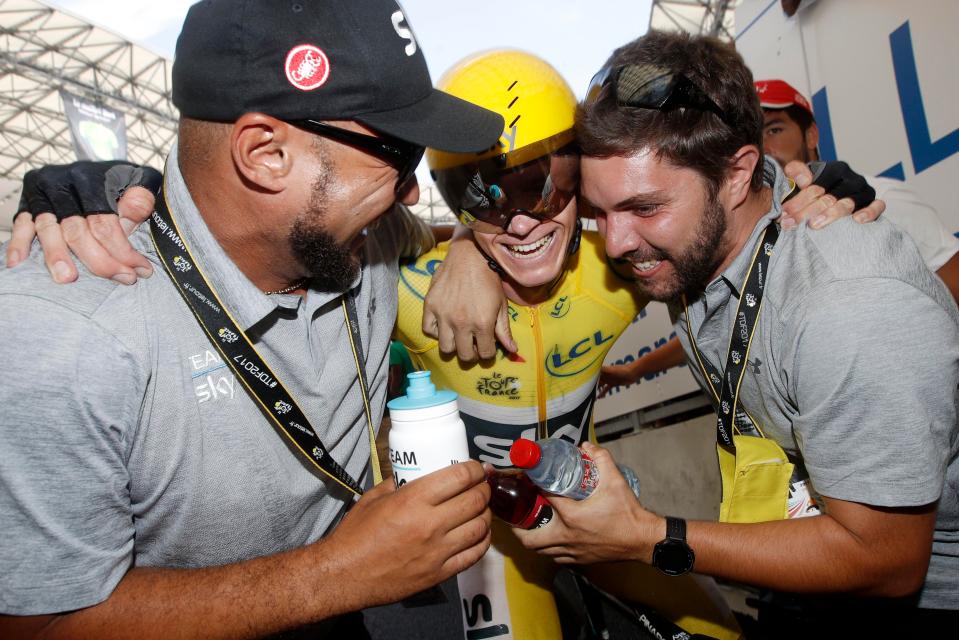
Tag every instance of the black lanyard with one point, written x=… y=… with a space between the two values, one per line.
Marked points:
x=725 y=386
x=238 y=351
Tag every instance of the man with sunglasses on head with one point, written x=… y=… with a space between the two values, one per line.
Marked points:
x=790 y=134
x=838 y=443
x=144 y=491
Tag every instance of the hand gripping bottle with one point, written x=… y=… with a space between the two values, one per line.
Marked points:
x=562 y=468
x=515 y=499
x=426 y=432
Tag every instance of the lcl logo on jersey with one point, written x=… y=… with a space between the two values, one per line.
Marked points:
x=561 y=362
x=561 y=308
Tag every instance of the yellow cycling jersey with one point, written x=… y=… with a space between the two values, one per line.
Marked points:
x=547 y=389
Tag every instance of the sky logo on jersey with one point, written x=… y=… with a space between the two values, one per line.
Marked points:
x=561 y=363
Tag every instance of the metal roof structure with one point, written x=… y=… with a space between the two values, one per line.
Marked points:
x=706 y=17
x=45 y=50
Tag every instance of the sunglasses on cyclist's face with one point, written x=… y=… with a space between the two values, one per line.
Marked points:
x=647 y=86
x=403 y=156
x=537 y=180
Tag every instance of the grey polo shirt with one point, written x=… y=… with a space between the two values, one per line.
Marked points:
x=854 y=367
x=125 y=440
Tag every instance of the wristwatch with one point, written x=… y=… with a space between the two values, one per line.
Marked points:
x=672 y=555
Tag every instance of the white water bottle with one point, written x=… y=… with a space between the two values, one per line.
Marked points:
x=426 y=432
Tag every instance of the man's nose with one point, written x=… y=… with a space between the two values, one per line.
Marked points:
x=620 y=236
x=523 y=223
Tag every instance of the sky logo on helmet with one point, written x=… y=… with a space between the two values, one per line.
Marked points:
x=307 y=67
x=181 y=264
x=227 y=336
x=282 y=407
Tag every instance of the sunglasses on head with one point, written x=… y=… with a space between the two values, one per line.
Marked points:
x=538 y=180
x=404 y=156
x=648 y=86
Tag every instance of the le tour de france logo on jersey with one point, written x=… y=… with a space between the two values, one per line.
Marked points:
x=307 y=67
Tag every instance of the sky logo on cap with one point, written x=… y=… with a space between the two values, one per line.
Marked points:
x=307 y=67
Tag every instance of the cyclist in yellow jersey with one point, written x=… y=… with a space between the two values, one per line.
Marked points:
x=566 y=310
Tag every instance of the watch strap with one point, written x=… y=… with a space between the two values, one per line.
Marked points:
x=676 y=529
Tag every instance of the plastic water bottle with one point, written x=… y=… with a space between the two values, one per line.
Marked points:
x=631 y=479
x=562 y=468
x=426 y=432
x=515 y=499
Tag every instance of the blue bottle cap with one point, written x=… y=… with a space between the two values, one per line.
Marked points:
x=421 y=393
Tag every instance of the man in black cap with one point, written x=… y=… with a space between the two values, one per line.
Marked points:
x=177 y=454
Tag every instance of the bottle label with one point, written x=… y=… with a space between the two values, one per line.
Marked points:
x=539 y=515
x=590 y=475
x=801 y=503
x=428 y=446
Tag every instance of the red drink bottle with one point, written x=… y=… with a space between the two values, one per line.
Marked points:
x=515 y=499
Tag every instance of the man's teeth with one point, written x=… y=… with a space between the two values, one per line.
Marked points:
x=532 y=247
x=646 y=265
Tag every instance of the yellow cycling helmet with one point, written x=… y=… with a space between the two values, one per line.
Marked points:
x=534 y=168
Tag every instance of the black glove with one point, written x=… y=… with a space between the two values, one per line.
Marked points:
x=842 y=182
x=84 y=187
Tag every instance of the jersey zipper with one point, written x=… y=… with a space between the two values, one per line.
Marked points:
x=537 y=332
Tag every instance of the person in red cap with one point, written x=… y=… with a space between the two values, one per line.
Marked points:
x=790 y=133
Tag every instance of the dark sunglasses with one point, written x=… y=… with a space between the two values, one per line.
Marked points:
x=650 y=87
x=538 y=180
x=404 y=156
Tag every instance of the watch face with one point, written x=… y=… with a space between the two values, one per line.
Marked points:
x=673 y=557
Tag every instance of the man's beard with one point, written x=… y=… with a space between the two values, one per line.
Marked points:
x=332 y=266
x=694 y=265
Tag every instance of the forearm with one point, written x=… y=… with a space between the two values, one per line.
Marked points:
x=815 y=554
x=949 y=273
x=666 y=357
x=243 y=600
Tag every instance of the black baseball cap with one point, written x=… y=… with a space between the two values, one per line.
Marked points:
x=322 y=60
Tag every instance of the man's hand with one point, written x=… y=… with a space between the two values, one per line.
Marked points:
x=616 y=375
x=813 y=203
x=610 y=525
x=80 y=196
x=465 y=308
x=397 y=542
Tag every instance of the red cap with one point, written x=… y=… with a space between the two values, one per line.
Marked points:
x=779 y=94
x=525 y=454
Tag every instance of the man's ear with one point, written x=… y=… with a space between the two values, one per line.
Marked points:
x=739 y=175
x=260 y=147
x=812 y=140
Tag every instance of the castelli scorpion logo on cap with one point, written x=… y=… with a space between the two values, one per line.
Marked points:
x=307 y=67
